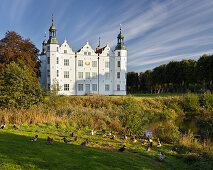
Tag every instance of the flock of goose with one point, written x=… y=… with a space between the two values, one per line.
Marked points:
x=133 y=138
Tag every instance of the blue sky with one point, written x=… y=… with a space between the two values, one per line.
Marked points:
x=155 y=31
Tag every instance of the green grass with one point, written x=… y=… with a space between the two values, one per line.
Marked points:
x=16 y=152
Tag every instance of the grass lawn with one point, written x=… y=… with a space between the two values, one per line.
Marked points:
x=16 y=152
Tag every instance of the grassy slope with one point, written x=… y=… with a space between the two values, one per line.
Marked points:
x=158 y=95
x=16 y=152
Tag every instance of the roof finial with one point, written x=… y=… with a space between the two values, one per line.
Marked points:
x=52 y=19
x=120 y=27
x=99 y=44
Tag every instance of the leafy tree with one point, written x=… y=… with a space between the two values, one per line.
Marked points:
x=22 y=51
x=132 y=82
x=19 y=87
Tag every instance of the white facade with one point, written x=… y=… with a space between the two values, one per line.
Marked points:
x=86 y=71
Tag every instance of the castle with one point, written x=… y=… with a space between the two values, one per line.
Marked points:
x=87 y=71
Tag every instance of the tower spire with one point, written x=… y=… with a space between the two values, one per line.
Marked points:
x=45 y=35
x=52 y=19
x=99 y=44
x=120 y=28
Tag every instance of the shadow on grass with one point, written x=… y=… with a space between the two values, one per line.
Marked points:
x=17 y=152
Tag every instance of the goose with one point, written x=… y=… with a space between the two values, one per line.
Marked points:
x=162 y=157
x=84 y=143
x=33 y=139
x=174 y=148
x=143 y=142
x=149 y=139
x=50 y=141
x=112 y=137
x=148 y=148
x=76 y=138
x=104 y=135
x=122 y=149
x=109 y=134
x=125 y=137
x=15 y=127
x=133 y=140
x=92 y=133
x=159 y=144
x=3 y=126
x=66 y=141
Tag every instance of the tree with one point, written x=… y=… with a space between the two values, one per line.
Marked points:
x=22 y=51
x=19 y=87
x=132 y=82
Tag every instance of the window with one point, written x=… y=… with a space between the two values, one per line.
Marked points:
x=94 y=63
x=66 y=74
x=94 y=87
x=107 y=75
x=48 y=73
x=94 y=75
x=80 y=75
x=66 y=62
x=87 y=75
x=118 y=75
x=85 y=53
x=80 y=87
x=107 y=54
x=48 y=48
x=57 y=49
x=80 y=63
x=65 y=51
x=66 y=87
x=57 y=60
x=107 y=64
x=119 y=63
x=48 y=86
x=89 y=53
x=48 y=60
x=118 y=87
x=57 y=73
x=119 y=53
x=106 y=87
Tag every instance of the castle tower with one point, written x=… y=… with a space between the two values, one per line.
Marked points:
x=52 y=47
x=120 y=66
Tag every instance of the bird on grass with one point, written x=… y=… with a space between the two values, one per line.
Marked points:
x=125 y=137
x=143 y=142
x=72 y=134
x=84 y=143
x=104 y=135
x=148 y=148
x=122 y=149
x=33 y=139
x=76 y=138
x=66 y=141
x=50 y=141
x=109 y=134
x=92 y=133
x=149 y=139
x=162 y=156
x=15 y=127
x=112 y=137
x=3 y=126
x=174 y=148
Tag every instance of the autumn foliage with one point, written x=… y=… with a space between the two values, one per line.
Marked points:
x=22 y=51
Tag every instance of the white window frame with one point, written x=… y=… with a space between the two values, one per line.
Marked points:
x=57 y=60
x=80 y=75
x=66 y=62
x=118 y=87
x=94 y=63
x=107 y=75
x=66 y=74
x=66 y=87
x=107 y=64
x=107 y=87
x=119 y=63
x=57 y=74
x=94 y=75
x=80 y=63
x=94 y=87
x=118 y=75
x=87 y=75
x=80 y=87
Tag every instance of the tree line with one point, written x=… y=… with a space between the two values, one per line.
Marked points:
x=174 y=77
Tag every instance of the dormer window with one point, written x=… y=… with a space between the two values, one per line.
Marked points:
x=65 y=51
x=89 y=53
x=85 y=53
